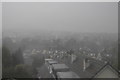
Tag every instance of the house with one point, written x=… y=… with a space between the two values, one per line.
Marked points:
x=107 y=71
x=50 y=65
x=99 y=69
x=85 y=67
x=59 y=68
x=46 y=61
x=49 y=62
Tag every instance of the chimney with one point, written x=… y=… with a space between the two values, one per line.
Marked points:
x=73 y=58
x=86 y=64
x=99 y=57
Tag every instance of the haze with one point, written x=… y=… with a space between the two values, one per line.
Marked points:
x=61 y=16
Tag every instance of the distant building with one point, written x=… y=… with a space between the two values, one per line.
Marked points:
x=99 y=57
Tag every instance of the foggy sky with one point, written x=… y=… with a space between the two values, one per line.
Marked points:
x=66 y=16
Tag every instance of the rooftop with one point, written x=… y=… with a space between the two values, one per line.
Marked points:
x=69 y=74
x=59 y=66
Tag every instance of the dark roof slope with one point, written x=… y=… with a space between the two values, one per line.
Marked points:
x=107 y=65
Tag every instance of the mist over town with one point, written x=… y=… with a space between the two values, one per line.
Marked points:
x=47 y=40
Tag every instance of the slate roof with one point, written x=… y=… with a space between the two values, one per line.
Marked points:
x=52 y=62
x=69 y=74
x=107 y=66
x=59 y=66
x=77 y=67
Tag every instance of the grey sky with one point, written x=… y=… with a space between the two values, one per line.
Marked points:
x=66 y=16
